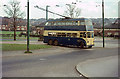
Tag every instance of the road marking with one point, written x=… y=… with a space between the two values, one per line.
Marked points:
x=42 y=59
x=80 y=75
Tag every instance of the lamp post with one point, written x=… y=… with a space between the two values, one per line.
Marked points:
x=27 y=25
x=47 y=12
x=28 y=28
x=103 y=21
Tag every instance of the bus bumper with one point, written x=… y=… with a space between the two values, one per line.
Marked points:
x=89 y=46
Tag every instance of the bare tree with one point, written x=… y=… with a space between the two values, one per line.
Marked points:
x=13 y=10
x=72 y=11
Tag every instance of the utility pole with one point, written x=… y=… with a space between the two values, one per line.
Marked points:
x=28 y=28
x=103 y=22
x=47 y=12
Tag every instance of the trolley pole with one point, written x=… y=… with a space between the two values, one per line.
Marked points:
x=103 y=22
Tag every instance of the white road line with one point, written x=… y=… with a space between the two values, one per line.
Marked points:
x=42 y=59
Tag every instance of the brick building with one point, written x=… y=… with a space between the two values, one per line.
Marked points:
x=6 y=24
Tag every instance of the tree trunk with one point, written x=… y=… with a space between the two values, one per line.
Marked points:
x=14 y=29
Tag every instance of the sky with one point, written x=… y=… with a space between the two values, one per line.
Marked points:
x=88 y=8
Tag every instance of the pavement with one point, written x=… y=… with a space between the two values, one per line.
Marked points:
x=101 y=67
x=109 y=42
x=42 y=52
x=21 y=42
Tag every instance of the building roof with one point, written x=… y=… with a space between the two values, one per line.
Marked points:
x=69 y=19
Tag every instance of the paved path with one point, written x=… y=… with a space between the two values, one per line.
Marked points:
x=100 y=67
x=21 y=42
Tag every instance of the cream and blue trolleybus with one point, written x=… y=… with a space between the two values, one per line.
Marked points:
x=78 y=32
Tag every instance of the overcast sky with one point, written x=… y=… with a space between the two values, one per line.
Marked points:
x=88 y=8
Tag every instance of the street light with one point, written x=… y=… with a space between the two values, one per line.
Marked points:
x=28 y=28
x=103 y=21
x=47 y=12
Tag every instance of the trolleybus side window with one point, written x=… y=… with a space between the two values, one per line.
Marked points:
x=46 y=23
x=75 y=22
x=50 y=23
x=63 y=23
x=51 y=34
x=54 y=34
x=63 y=34
x=82 y=23
x=88 y=34
x=83 y=34
x=55 y=23
x=59 y=34
x=74 y=34
x=88 y=23
x=69 y=23
x=59 y=23
x=68 y=34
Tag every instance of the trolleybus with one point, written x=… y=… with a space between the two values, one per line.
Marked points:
x=78 y=32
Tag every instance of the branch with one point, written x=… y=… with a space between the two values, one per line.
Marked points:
x=13 y=9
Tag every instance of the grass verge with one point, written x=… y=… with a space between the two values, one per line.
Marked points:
x=15 y=47
x=10 y=32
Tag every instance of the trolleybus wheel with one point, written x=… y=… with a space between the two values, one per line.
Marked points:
x=82 y=45
x=55 y=42
x=50 y=42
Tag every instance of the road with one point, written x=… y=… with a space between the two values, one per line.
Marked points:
x=52 y=65
x=57 y=61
